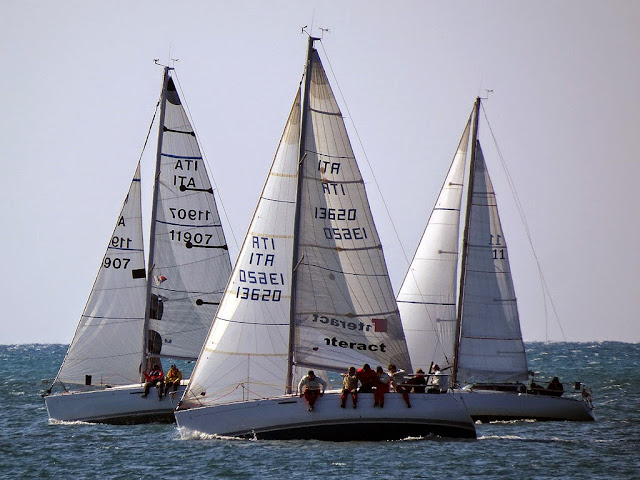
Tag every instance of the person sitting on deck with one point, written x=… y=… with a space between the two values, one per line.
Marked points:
x=368 y=379
x=382 y=386
x=397 y=382
x=311 y=385
x=418 y=381
x=155 y=378
x=439 y=381
x=349 y=387
x=172 y=381
x=555 y=387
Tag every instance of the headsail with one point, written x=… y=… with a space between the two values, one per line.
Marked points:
x=245 y=355
x=106 y=345
x=427 y=298
x=190 y=265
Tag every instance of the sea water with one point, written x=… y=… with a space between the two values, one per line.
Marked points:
x=31 y=447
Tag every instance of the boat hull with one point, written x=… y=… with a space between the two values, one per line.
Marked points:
x=117 y=405
x=496 y=405
x=287 y=418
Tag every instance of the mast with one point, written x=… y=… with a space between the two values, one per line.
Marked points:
x=154 y=214
x=296 y=225
x=465 y=239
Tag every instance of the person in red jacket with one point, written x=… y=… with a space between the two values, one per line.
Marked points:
x=155 y=378
x=368 y=378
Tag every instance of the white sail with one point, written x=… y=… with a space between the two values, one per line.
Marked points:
x=345 y=310
x=191 y=263
x=427 y=298
x=491 y=347
x=245 y=356
x=106 y=345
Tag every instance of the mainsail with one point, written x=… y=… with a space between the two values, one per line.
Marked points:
x=106 y=346
x=310 y=287
x=190 y=265
x=490 y=343
x=460 y=311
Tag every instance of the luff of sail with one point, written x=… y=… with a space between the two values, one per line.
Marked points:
x=106 y=344
x=490 y=345
x=428 y=297
x=190 y=265
x=345 y=309
x=245 y=355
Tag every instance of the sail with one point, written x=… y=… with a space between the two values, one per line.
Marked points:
x=491 y=347
x=245 y=355
x=191 y=264
x=106 y=345
x=345 y=311
x=427 y=298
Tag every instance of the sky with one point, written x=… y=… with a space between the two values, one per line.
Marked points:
x=80 y=88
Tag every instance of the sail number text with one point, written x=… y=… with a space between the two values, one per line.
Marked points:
x=183 y=214
x=498 y=253
x=358 y=233
x=116 y=263
x=335 y=213
x=195 y=238
x=259 y=294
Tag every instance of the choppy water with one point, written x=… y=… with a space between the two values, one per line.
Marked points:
x=606 y=449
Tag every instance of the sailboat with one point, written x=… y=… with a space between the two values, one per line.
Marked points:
x=458 y=303
x=310 y=290
x=135 y=317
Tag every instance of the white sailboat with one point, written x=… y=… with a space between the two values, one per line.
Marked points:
x=310 y=289
x=132 y=318
x=459 y=310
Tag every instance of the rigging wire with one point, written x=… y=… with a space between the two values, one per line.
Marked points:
x=375 y=180
x=520 y=209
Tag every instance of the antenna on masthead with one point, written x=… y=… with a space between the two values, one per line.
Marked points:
x=488 y=91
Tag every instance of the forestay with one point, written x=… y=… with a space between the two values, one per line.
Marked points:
x=106 y=344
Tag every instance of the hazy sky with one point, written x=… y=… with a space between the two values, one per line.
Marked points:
x=80 y=87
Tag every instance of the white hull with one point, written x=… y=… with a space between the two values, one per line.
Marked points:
x=117 y=405
x=495 y=405
x=287 y=417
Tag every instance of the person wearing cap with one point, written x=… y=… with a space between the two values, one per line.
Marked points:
x=418 y=382
x=309 y=387
x=155 y=378
x=173 y=379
